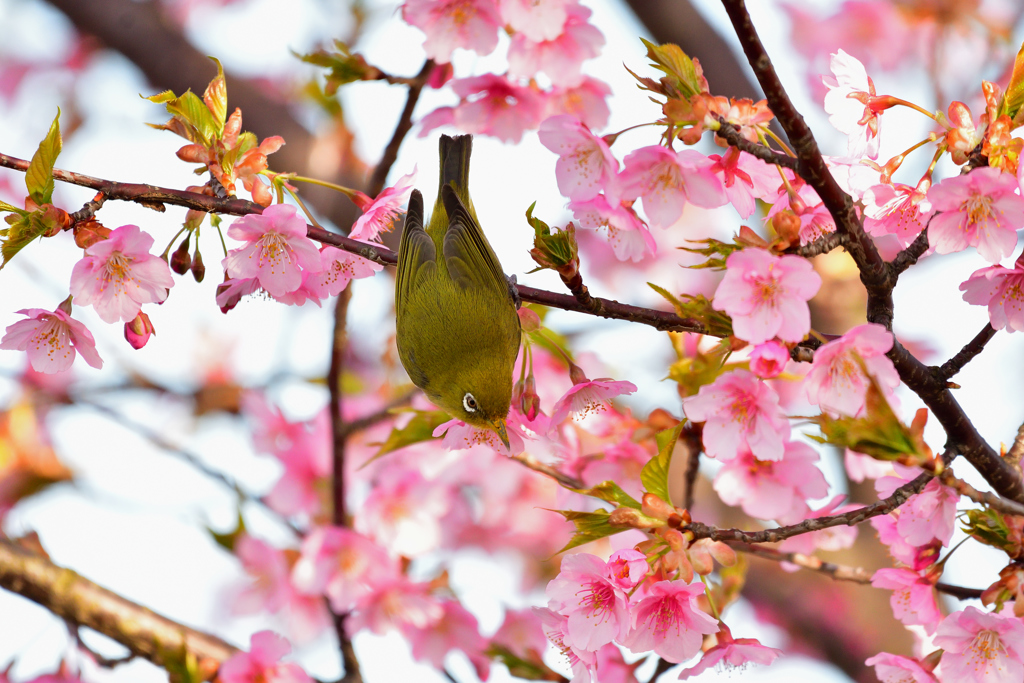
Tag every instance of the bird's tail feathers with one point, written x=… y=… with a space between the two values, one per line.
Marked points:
x=455 y=153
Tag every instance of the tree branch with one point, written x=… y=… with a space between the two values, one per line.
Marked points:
x=911 y=254
x=732 y=135
x=991 y=500
x=966 y=354
x=380 y=172
x=81 y=602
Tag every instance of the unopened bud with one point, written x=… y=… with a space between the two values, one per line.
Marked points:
x=198 y=269
x=65 y=306
x=787 y=226
x=139 y=330
x=181 y=261
x=89 y=232
x=653 y=506
x=553 y=248
x=530 y=399
x=529 y=320
x=576 y=374
x=440 y=74
x=193 y=154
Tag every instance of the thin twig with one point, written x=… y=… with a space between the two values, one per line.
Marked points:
x=350 y=428
x=663 y=666
x=966 y=354
x=823 y=244
x=566 y=480
x=104 y=662
x=691 y=440
x=380 y=173
x=734 y=137
x=993 y=501
x=851 y=518
x=911 y=254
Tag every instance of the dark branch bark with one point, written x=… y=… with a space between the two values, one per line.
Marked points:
x=966 y=354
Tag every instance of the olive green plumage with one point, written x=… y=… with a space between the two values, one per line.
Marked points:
x=458 y=330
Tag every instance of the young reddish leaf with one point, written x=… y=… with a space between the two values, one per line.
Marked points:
x=1013 y=98
x=654 y=475
x=216 y=97
x=39 y=177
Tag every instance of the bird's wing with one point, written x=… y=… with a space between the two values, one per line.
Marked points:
x=417 y=254
x=469 y=258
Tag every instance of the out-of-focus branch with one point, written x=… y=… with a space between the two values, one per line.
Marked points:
x=81 y=602
x=536 y=465
x=967 y=353
x=380 y=172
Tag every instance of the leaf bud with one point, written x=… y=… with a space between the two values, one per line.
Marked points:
x=139 y=330
x=181 y=261
x=89 y=232
x=554 y=249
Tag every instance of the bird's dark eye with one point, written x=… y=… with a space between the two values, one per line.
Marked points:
x=469 y=403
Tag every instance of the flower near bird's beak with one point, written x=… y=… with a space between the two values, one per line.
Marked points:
x=499 y=428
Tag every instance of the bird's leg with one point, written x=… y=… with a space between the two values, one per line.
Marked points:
x=514 y=291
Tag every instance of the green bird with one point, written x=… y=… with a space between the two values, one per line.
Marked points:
x=458 y=329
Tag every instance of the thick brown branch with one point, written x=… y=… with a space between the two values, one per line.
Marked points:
x=851 y=518
x=823 y=244
x=966 y=354
x=81 y=602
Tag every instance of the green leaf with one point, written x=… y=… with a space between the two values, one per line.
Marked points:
x=609 y=491
x=654 y=475
x=25 y=227
x=216 y=97
x=161 y=98
x=194 y=113
x=39 y=177
x=698 y=308
x=993 y=528
x=343 y=66
x=532 y=669
x=590 y=526
x=682 y=77
x=420 y=428
x=4 y=206
x=1013 y=98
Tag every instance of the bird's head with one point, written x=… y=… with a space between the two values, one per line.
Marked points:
x=481 y=396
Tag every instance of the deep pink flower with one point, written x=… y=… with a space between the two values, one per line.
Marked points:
x=618 y=225
x=740 y=412
x=612 y=668
x=586 y=101
x=898 y=669
x=627 y=567
x=585 y=164
x=276 y=250
x=451 y=24
x=560 y=57
x=556 y=628
x=587 y=398
x=537 y=20
x=776 y=490
x=767 y=295
x=895 y=209
x=981 y=209
x=379 y=215
x=745 y=179
x=342 y=565
x=338 y=268
x=837 y=382
x=667 y=180
x=118 y=275
x=668 y=621
x=847 y=106
x=981 y=647
x=457 y=629
x=138 y=331
x=261 y=664
x=732 y=653
x=1002 y=290
x=597 y=607
x=769 y=359
x=51 y=338
x=913 y=597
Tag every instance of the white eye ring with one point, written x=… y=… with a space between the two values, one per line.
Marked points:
x=469 y=402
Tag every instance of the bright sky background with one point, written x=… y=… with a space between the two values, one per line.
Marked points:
x=134 y=520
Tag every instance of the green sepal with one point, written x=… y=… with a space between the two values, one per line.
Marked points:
x=654 y=475
x=611 y=492
x=420 y=428
x=228 y=539
x=1013 y=97
x=993 y=528
x=39 y=177
x=698 y=308
x=552 y=248
x=590 y=526
x=715 y=251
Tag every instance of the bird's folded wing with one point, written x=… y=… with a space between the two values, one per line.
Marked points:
x=469 y=258
x=416 y=253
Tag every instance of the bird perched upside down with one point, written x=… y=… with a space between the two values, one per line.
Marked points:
x=458 y=329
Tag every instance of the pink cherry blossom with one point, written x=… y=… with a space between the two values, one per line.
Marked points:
x=51 y=338
x=732 y=653
x=457 y=629
x=307 y=464
x=451 y=24
x=896 y=209
x=597 y=607
x=898 y=669
x=837 y=382
x=846 y=104
x=560 y=57
x=745 y=178
x=618 y=225
x=776 y=490
x=118 y=275
x=981 y=209
x=930 y=514
x=622 y=463
x=490 y=105
x=767 y=295
x=913 y=597
x=1002 y=290
x=981 y=647
x=585 y=164
x=815 y=219
x=396 y=603
x=668 y=621
x=342 y=565
x=627 y=567
x=917 y=558
x=521 y=632
x=403 y=513
x=860 y=466
x=261 y=664
x=740 y=412
x=276 y=250
x=586 y=102
x=537 y=20
x=667 y=180
x=459 y=436
x=270 y=590
x=612 y=668
x=380 y=214
x=588 y=398
x=582 y=662
x=338 y=268
x=769 y=359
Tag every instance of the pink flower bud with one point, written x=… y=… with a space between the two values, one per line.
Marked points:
x=529 y=320
x=138 y=331
x=769 y=359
